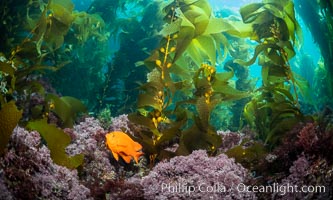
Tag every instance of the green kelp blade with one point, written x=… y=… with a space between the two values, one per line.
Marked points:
x=221 y=43
x=57 y=141
x=6 y=68
x=281 y=3
x=204 y=110
x=198 y=18
x=276 y=133
x=230 y=94
x=195 y=54
x=224 y=77
x=144 y=121
x=75 y=104
x=145 y=139
x=194 y=139
x=171 y=28
x=207 y=47
x=62 y=11
x=9 y=117
x=242 y=30
x=258 y=50
x=190 y=1
x=219 y=25
x=169 y=134
x=250 y=11
x=202 y=48
x=304 y=88
x=180 y=69
x=204 y=5
x=185 y=35
x=247 y=156
x=146 y=100
x=288 y=48
x=33 y=86
x=66 y=108
x=250 y=112
x=284 y=93
x=274 y=57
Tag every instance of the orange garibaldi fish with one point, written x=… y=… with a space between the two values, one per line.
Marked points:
x=122 y=145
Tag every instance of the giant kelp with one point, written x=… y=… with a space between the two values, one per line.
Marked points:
x=119 y=74
x=273 y=110
x=57 y=141
x=244 y=82
x=87 y=31
x=9 y=117
x=318 y=17
x=184 y=85
x=182 y=89
x=32 y=55
x=20 y=71
x=112 y=66
x=199 y=32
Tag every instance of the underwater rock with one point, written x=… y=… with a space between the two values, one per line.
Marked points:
x=30 y=173
x=308 y=137
x=85 y=136
x=197 y=176
x=230 y=139
x=122 y=123
x=121 y=190
x=4 y=192
x=89 y=140
x=313 y=179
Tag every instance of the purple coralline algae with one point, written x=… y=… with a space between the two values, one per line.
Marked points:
x=30 y=173
x=90 y=140
x=197 y=176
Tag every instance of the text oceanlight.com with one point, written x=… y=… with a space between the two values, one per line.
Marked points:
x=220 y=188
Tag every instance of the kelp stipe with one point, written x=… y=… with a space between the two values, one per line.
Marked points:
x=273 y=110
x=183 y=86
